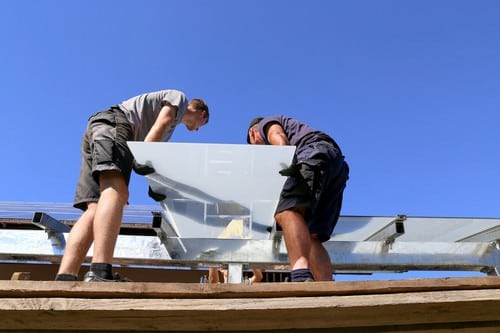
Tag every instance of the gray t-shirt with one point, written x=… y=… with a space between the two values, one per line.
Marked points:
x=143 y=110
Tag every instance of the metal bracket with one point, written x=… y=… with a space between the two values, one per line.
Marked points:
x=46 y=221
x=157 y=226
x=276 y=235
x=235 y=273
x=390 y=232
x=54 y=229
x=491 y=235
x=491 y=271
x=494 y=271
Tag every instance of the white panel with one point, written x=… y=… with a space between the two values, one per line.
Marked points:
x=216 y=190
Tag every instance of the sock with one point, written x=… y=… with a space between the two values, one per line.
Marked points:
x=65 y=277
x=102 y=270
x=301 y=275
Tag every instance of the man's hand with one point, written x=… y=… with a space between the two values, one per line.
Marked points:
x=296 y=185
x=142 y=169
x=292 y=171
x=156 y=196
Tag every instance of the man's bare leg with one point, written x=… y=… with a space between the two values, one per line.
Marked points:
x=79 y=241
x=320 y=262
x=108 y=215
x=297 y=239
x=257 y=275
x=213 y=275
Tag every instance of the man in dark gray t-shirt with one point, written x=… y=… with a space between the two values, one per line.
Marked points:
x=311 y=198
x=102 y=189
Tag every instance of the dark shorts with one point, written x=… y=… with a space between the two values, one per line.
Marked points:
x=104 y=147
x=322 y=179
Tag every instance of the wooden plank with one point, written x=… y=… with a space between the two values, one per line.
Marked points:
x=416 y=308
x=262 y=290
x=47 y=272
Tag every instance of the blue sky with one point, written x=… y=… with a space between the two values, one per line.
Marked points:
x=409 y=89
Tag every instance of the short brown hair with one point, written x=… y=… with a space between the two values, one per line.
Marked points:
x=200 y=105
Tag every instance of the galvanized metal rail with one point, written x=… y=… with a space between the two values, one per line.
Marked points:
x=155 y=244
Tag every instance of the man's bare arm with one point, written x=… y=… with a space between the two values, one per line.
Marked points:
x=276 y=135
x=164 y=121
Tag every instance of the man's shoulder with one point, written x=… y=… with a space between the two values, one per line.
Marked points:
x=165 y=92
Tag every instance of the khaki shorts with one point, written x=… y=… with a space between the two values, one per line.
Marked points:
x=104 y=147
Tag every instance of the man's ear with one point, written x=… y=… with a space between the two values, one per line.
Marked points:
x=251 y=134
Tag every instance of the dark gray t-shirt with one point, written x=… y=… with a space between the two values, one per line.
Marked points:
x=142 y=111
x=298 y=133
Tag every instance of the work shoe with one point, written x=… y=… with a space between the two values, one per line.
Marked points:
x=304 y=280
x=287 y=279
x=93 y=277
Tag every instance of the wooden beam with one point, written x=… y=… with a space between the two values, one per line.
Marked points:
x=222 y=290
x=421 y=305
x=251 y=313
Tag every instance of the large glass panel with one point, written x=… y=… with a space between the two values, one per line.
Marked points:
x=216 y=190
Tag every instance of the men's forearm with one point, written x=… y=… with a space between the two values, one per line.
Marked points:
x=155 y=134
x=166 y=118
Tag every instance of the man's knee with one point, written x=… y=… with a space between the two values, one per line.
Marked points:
x=284 y=216
x=91 y=208
x=113 y=180
x=315 y=238
x=289 y=216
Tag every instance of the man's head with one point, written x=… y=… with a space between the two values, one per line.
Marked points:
x=197 y=114
x=252 y=129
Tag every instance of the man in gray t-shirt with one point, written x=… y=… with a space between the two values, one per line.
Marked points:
x=142 y=111
x=102 y=189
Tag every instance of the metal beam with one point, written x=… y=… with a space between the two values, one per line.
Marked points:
x=45 y=221
x=489 y=235
x=364 y=256
x=54 y=230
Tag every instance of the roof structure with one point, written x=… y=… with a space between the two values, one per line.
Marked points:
x=218 y=212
